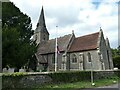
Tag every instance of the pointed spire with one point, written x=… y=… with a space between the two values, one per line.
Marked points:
x=41 y=21
x=107 y=41
x=100 y=29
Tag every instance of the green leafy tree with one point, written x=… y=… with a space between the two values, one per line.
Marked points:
x=116 y=61
x=116 y=57
x=18 y=48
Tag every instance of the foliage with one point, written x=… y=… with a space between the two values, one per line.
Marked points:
x=70 y=76
x=116 y=57
x=18 y=49
x=116 y=61
x=17 y=74
x=115 y=52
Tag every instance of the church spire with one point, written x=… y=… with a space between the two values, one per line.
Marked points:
x=41 y=33
x=41 y=21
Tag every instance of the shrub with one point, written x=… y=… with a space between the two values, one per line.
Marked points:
x=70 y=76
x=116 y=61
x=17 y=74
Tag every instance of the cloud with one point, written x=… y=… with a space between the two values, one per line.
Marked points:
x=82 y=16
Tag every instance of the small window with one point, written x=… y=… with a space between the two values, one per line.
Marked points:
x=44 y=37
x=89 y=57
x=53 y=59
x=74 y=58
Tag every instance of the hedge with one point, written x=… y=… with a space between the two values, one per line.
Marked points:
x=116 y=61
x=70 y=76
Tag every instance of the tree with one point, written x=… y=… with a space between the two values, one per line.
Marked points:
x=116 y=57
x=116 y=61
x=18 y=48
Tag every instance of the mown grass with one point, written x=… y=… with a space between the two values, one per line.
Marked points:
x=81 y=84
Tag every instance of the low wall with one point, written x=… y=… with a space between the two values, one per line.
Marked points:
x=29 y=80
x=34 y=80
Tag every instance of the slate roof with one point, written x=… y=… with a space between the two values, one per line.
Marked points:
x=49 y=46
x=83 y=43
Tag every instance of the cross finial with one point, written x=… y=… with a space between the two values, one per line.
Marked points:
x=72 y=31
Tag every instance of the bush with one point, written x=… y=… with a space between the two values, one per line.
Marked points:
x=116 y=61
x=71 y=76
x=17 y=74
x=117 y=73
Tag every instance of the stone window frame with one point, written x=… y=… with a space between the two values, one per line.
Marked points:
x=100 y=56
x=53 y=59
x=44 y=37
x=63 y=58
x=81 y=56
x=89 y=57
x=74 y=59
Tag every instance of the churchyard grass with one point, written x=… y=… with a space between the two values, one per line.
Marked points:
x=82 y=84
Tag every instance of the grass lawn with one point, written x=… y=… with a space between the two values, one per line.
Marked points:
x=82 y=84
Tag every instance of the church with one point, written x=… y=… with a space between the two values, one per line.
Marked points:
x=86 y=52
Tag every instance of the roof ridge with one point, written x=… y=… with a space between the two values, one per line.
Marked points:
x=88 y=34
x=60 y=37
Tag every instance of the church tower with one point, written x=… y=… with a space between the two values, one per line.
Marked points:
x=41 y=33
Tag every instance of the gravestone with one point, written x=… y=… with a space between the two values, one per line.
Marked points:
x=10 y=70
x=5 y=70
x=22 y=70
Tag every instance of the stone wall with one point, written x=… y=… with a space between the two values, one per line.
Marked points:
x=26 y=81
x=37 y=80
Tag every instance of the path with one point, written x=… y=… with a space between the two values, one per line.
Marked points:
x=111 y=87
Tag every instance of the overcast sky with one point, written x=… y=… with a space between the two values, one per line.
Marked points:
x=82 y=16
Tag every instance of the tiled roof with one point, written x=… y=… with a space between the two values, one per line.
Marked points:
x=49 y=46
x=87 y=42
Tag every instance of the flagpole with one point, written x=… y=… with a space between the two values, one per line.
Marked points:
x=56 y=51
x=92 y=79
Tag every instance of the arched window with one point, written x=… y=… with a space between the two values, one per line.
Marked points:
x=53 y=59
x=89 y=57
x=81 y=57
x=74 y=58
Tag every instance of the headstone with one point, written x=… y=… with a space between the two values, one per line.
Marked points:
x=22 y=70
x=10 y=70
x=5 y=70
x=30 y=70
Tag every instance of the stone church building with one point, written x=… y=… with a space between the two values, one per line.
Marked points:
x=76 y=53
